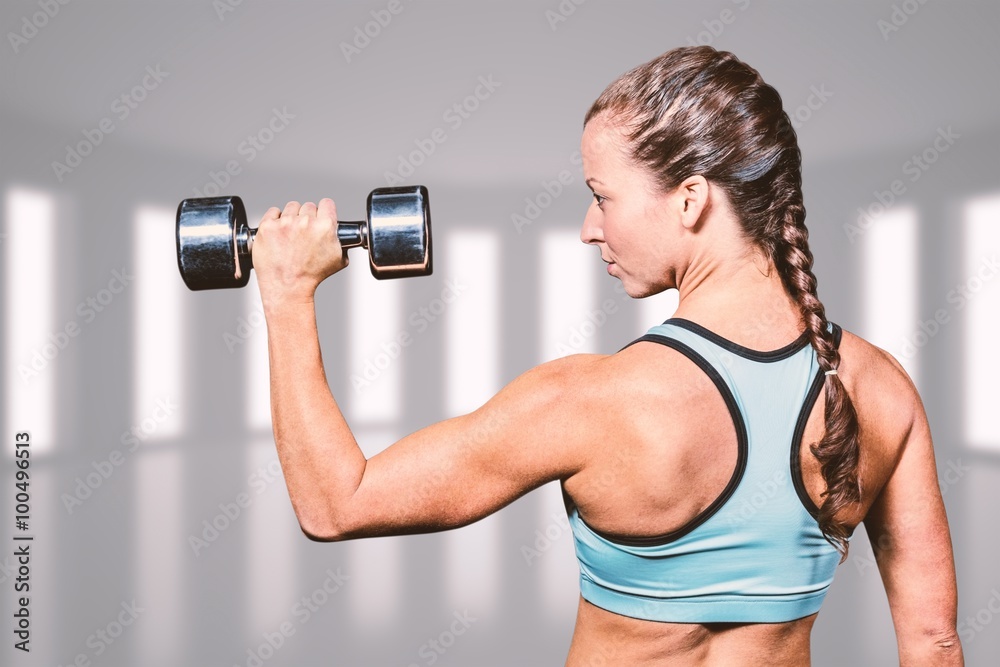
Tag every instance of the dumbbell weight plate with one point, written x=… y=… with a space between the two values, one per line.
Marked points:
x=211 y=232
x=399 y=232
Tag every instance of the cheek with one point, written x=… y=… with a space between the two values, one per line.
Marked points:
x=617 y=223
x=609 y=226
x=621 y=232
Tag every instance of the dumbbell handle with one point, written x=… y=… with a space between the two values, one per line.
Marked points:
x=350 y=235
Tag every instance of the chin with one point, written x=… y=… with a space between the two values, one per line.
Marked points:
x=641 y=291
x=636 y=291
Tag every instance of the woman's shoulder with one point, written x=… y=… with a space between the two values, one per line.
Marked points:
x=878 y=384
x=880 y=388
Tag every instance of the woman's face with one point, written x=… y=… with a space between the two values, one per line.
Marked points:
x=637 y=228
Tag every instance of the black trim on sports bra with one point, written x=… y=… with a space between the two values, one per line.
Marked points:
x=800 y=428
x=741 y=459
x=735 y=348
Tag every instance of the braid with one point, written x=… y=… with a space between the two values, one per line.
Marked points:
x=696 y=110
x=838 y=450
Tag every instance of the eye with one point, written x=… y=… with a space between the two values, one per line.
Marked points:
x=599 y=199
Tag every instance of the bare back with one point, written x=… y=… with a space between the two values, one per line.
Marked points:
x=671 y=450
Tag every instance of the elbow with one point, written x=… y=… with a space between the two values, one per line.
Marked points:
x=946 y=644
x=319 y=536
x=935 y=647
x=322 y=526
x=319 y=533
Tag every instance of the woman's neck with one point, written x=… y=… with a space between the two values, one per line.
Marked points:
x=740 y=298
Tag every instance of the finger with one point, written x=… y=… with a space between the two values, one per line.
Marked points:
x=272 y=213
x=291 y=209
x=327 y=209
x=308 y=209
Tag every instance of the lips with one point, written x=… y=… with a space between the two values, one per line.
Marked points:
x=609 y=262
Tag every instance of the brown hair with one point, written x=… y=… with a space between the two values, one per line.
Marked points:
x=696 y=110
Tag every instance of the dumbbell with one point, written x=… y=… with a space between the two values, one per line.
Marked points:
x=214 y=241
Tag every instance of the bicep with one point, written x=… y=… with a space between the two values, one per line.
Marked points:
x=460 y=470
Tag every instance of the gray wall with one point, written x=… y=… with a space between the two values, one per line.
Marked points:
x=226 y=72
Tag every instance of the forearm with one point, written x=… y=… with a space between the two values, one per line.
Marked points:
x=923 y=595
x=926 y=627
x=321 y=460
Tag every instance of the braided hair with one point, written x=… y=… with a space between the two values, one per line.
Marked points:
x=697 y=110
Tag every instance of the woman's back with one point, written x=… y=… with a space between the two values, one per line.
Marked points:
x=669 y=455
x=672 y=444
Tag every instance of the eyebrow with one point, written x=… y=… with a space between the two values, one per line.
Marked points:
x=595 y=180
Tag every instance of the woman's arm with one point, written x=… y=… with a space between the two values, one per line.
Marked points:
x=909 y=533
x=446 y=475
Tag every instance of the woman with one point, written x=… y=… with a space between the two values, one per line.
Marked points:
x=711 y=493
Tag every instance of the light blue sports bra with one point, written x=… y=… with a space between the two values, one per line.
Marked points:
x=756 y=554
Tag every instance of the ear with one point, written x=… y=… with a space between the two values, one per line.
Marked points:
x=692 y=196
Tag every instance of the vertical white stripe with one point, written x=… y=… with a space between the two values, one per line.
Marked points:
x=472 y=321
x=890 y=287
x=375 y=321
x=568 y=278
x=376 y=565
x=158 y=369
x=980 y=295
x=160 y=548
x=258 y=389
x=471 y=561
x=655 y=309
x=556 y=569
x=568 y=282
x=472 y=565
x=160 y=361
x=33 y=341
x=273 y=537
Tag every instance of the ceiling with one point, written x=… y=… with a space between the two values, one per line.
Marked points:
x=227 y=71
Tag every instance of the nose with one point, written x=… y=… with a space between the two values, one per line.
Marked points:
x=592 y=232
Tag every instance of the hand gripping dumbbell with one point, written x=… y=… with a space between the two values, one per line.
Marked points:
x=214 y=240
